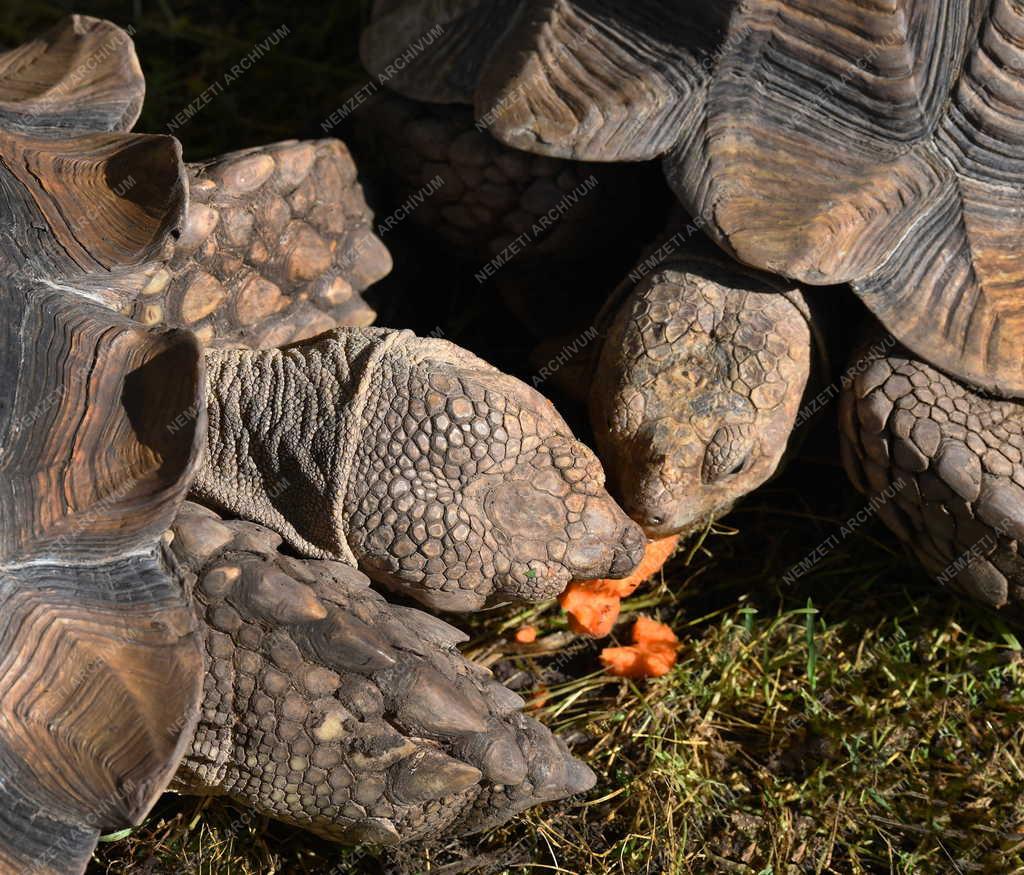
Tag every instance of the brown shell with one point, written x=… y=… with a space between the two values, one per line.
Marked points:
x=829 y=142
x=100 y=668
x=100 y=427
x=82 y=75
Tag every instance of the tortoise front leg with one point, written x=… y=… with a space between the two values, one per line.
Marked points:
x=328 y=708
x=942 y=464
x=435 y=472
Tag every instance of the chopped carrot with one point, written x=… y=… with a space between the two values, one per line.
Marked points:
x=637 y=662
x=652 y=653
x=526 y=634
x=648 y=631
x=593 y=605
x=658 y=552
x=591 y=612
x=539 y=700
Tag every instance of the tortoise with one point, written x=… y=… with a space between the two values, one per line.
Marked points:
x=238 y=644
x=843 y=145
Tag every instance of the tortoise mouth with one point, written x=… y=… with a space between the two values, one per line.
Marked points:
x=662 y=509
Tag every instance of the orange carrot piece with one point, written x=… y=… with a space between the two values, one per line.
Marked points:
x=648 y=631
x=591 y=612
x=652 y=654
x=593 y=605
x=638 y=662
x=526 y=634
x=656 y=555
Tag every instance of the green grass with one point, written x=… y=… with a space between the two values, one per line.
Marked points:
x=859 y=720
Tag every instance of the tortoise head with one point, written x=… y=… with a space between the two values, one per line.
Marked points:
x=697 y=390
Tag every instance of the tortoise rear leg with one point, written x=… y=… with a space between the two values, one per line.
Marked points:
x=330 y=709
x=942 y=464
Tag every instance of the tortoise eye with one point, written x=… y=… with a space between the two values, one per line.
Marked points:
x=727 y=454
x=739 y=466
x=715 y=470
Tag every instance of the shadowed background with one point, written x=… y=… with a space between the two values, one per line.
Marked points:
x=185 y=47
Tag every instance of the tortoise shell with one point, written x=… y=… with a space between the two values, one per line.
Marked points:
x=829 y=142
x=102 y=416
x=101 y=667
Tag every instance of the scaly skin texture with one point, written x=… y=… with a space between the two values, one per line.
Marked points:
x=328 y=708
x=697 y=389
x=276 y=247
x=943 y=464
x=436 y=473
